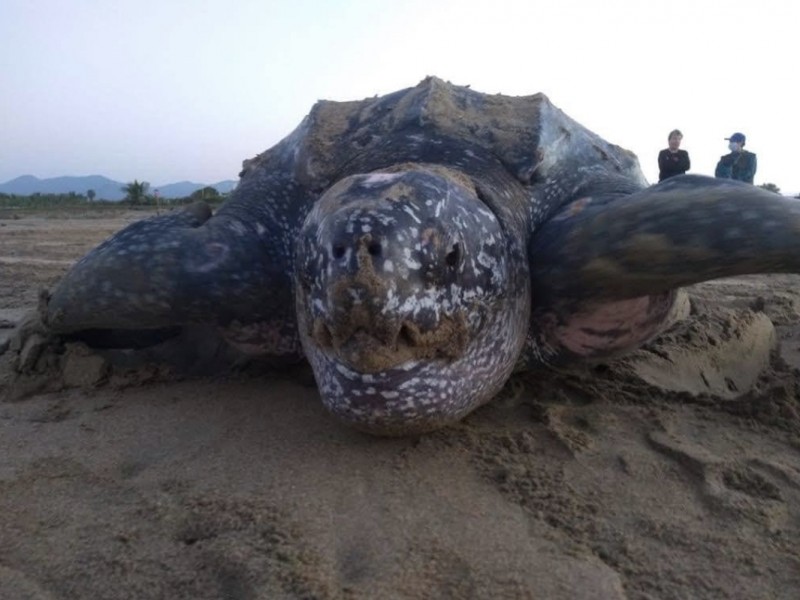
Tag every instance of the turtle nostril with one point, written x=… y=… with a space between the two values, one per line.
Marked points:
x=337 y=251
x=406 y=336
x=453 y=257
x=374 y=248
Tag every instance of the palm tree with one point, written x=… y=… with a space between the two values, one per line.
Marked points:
x=136 y=192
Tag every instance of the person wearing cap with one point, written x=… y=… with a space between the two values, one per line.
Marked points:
x=739 y=164
x=673 y=161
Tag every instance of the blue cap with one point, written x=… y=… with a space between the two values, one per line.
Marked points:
x=737 y=137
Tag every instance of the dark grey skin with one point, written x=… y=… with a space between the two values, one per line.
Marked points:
x=416 y=247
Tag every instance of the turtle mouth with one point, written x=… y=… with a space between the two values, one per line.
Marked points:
x=372 y=351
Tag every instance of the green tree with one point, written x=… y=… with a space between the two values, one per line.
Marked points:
x=136 y=192
x=90 y=194
x=206 y=193
x=770 y=187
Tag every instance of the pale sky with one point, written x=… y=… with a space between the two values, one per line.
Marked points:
x=169 y=90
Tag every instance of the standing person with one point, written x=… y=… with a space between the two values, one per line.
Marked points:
x=739 y=164
x=673 y=161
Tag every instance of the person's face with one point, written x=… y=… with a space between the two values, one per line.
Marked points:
x=675 y=142
x=734 y=146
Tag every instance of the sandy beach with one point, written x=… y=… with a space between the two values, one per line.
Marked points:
x=672 y=473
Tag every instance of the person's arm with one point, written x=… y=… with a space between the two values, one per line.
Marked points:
x=684 y=163
x=668 y=166
x=751 y=167
x=663 y=162
x=724 y=168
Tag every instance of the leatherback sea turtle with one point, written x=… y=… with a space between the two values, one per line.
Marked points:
x=415 y=247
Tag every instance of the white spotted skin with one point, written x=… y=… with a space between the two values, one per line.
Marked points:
x=414 y=224
x=423 y=395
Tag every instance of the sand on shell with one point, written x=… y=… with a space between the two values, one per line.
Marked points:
x=671 y=473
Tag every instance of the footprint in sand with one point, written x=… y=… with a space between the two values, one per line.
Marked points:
x=750 y=488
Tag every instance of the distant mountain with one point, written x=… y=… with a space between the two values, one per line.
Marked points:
x=105 y=188
x=185 y=188
x=225 y=186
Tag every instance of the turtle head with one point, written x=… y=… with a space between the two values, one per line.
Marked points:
x=405 y=303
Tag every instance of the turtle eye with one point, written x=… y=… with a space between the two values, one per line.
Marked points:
x=453 y=257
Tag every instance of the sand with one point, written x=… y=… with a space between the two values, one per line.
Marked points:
x=672 y=473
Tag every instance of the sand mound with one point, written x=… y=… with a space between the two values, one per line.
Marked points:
x=721 y=353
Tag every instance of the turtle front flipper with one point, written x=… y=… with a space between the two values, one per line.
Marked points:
x=230 y=271
x=129 y=280
x=605 y=268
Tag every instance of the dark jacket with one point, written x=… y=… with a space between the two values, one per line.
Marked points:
x=671 y=164
x=737 y=165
